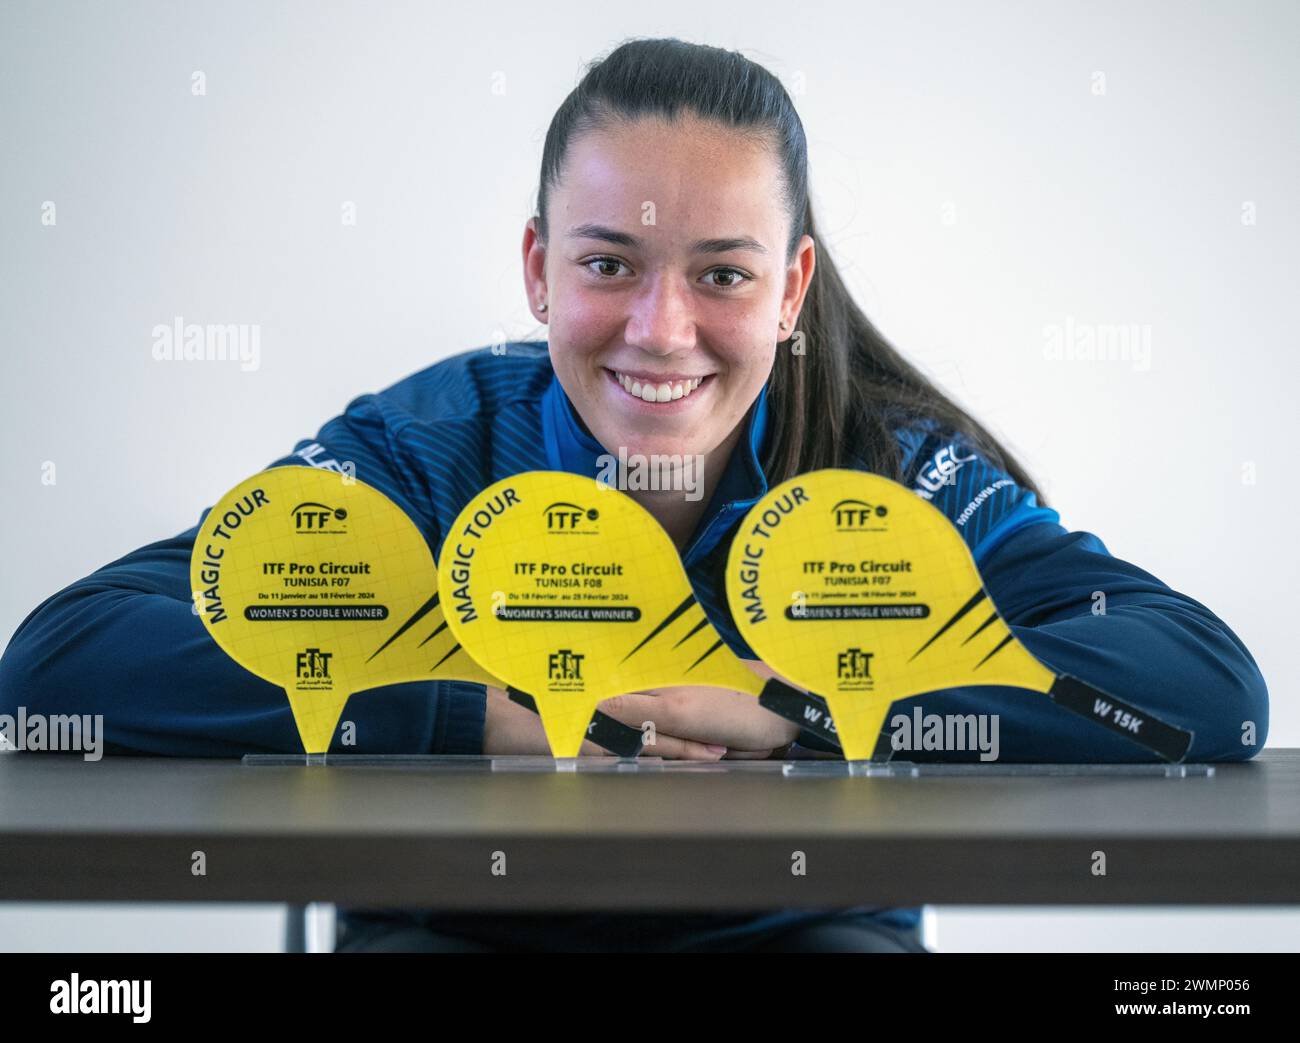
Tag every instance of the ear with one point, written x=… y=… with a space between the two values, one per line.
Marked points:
x=798 y=277
x=534 y=258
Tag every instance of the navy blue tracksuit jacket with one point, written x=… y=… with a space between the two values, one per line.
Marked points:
x=435 y=439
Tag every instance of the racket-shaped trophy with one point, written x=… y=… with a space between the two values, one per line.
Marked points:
x=452 y=661
x=572 y=592
x=321 y=584
x=854 y=588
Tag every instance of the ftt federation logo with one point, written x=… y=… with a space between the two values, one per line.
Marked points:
x=853 y=670
x=313 y=670
x=564 y=670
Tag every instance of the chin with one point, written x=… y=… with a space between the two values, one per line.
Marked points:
x=661 y=447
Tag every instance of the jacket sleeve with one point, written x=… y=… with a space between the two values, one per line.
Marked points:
x=1147 y=644
x=126 y=643
x=1143 y=642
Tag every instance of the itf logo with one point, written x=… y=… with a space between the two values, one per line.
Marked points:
x=316 y=518
x=569 y=517
x=858 y=516
x=853 y=669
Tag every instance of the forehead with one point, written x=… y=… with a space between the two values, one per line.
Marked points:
x=698 y=175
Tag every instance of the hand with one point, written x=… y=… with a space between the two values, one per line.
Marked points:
x=716 y=717
x=511 y=728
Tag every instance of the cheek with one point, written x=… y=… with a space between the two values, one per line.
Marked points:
x=749 y=359
x=572 y=350
x=587 y=318
x=749 y=372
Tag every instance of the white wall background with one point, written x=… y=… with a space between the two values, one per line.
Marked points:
x=970 y=180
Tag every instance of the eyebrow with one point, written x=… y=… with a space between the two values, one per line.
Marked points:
x=708 y=246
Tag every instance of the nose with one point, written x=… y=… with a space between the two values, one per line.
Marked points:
x=662 y=319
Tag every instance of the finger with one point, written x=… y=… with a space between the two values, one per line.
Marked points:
x=750 y=755
x=634 y=708
x=670 y=747
x=706 y=715
x=711 y=716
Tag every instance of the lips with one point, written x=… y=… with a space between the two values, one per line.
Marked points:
x=649 y=389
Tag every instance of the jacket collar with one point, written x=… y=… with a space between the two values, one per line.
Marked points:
x=570 y=448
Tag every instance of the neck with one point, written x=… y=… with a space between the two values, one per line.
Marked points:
x=671 y=507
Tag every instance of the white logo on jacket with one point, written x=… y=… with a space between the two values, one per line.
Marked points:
x=942 y=471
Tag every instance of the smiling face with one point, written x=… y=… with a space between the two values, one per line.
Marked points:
x=666 y=282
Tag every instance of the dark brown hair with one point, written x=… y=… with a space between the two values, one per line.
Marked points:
x=850 y=388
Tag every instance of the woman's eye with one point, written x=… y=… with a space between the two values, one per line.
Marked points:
x=608 y=267
x=736 y=277
x=606 y=261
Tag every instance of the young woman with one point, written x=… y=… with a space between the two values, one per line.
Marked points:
x=674 y=258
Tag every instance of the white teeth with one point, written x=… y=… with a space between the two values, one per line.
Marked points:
x=658 y=392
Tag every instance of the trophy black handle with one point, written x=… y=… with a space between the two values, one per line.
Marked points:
x=808 y=711
x=1160 y=737
x=811 y=712
x=618 y=738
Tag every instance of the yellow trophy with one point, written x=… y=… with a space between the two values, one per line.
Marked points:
x=852 y=587
x=573 y=593
x=321 y=584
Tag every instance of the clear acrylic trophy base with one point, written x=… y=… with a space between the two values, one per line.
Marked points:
x=892 y=769
x=513 y=763
x=806 y=768
x=453 y=762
